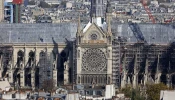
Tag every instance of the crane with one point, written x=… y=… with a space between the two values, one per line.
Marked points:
x=168 y=21
x=148 y=11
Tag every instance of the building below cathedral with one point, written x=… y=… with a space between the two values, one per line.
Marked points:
x=99 y=53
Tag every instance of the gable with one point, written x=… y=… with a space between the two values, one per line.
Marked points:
x=93 y=33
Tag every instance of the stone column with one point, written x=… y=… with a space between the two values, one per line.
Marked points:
x=146 y=72
x=22 y=73
x=26 y=56
x=135 y=80
x=109 y=63
x=37 y=53
x=168 y=80
x=55 y=71
x=11 y=75
x=1 y=67
x=78 y=65
x=66 y=72
x=33 y=78
x=14 y=57
x=55 y=76
x=124 y=73
x=123 y=80
x=135 y=75
x=157 y=74
x=157 y=77
x=22 y=78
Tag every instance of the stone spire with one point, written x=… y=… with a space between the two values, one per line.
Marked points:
x=97 y=12
x=97 y=8
x=108 y=7
x=79 y=26
x=108 y=17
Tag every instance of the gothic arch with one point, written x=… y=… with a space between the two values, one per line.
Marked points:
x=63 y=54
x=20 y=58
x=41 y=54
x=31 y=58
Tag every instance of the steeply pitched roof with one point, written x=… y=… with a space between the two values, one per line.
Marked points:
x=37 y=33
x=153 y=33
x=43 y=33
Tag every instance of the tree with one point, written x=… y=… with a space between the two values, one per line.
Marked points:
x=153 y=91
x=36 y=18
x=127 y=91
x=48 y=85
x=134 y=94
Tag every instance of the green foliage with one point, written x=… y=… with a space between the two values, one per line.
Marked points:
x=134 y=94
x=127 y=91
x=36 y=18
x=44 y=5
x=153 y=91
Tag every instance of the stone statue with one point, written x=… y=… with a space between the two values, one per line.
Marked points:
x=66 y=66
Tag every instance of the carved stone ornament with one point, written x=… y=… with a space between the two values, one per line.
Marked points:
x=94 y=60
x=93 y=36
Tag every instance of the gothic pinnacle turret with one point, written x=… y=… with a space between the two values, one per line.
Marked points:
x=108 y=17
x=79 y=26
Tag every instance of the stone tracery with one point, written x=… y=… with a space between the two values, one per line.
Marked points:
x=94 y=60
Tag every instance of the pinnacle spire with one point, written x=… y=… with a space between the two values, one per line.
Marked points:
x=108 y=17
x=108 y=7
x=79 y=25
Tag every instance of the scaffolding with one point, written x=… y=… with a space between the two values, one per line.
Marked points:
x=74 y=63
x=45 y=67
x=150 y=60
x=6 y=57
x=116 y=63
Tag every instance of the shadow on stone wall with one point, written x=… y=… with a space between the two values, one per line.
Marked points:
x=61 y=58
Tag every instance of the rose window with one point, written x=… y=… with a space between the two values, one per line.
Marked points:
x=94 y=60
x=94 y=36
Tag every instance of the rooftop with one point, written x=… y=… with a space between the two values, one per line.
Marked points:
x=43 y=33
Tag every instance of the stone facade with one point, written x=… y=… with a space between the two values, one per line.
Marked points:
x=94 y=56
x=23 y=61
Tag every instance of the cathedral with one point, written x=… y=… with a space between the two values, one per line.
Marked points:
x=99 y=53
x=94 y=49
